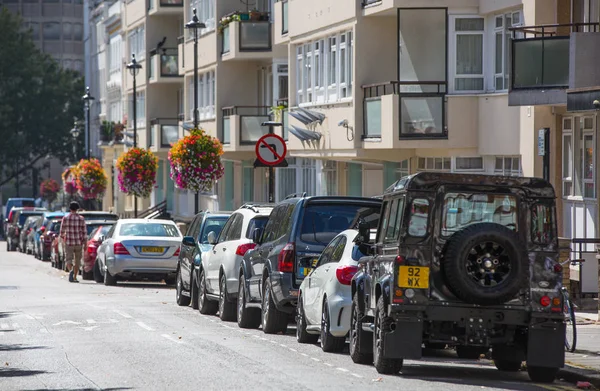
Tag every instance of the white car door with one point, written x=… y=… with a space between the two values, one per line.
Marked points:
x=313 y=285
x=212 y=259
x=327 y=277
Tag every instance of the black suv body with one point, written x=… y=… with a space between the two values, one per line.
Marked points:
x=298 y=230
x=469 y=261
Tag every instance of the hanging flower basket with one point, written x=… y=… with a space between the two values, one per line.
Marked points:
x=195 y=161
x=49 y=189
x=137 y=172
x=69 y=180
x=91 y=179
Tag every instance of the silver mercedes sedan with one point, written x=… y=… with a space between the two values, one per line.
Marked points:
x=138 y=249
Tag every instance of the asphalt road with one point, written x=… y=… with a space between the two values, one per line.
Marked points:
x=62 y=336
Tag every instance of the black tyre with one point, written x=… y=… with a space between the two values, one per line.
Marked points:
x=247 y=318
x=205 y=306
x=329 y=343
x=469 y=352
x=507 y=366
x=194 y=290
x=109 y=279
x=171 y=280
x=357 y=334
x=98 y=277
x=302 y=336
x=87 y=275
x=542 y=374
x=273 y=320
x=486 y=264
x=180 y=298
x=571 y=325
x=226 y=308
x=387 y=366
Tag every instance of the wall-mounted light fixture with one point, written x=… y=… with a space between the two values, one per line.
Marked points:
x=349 y=130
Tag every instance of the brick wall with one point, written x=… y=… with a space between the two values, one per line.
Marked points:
x=564 y=253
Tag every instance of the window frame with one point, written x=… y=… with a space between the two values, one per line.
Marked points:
x=454 y=50
x=456 y=169
x=399 y=203
x=587 y=132
x=506 y=47
x=445 y=159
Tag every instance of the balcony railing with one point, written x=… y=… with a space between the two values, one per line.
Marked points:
x=540 y=54
x=370 y=2
x=422 y=110
x=250 y=119
x=169 y=66
x=253 y=36
x=168 y=132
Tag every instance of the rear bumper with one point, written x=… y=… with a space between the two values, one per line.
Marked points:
x=130 y=265
x=339 y=314
x=284 y=293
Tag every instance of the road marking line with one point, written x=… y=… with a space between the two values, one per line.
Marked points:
x=315 y=359
x=123 y=314
x=256 y=336
x=263 y=339
x=65 y=322
x=44 y=330
x=356 y=375
x=98 y=307
x=91 y=321
x=4 y=325
x=328 y=364
x=167 y=336
x=275 y=342
x=293 y=350
x=304 y=354
x=282 y=345
x=227 y=327
x=342 y=369
x=144 y=326
x=90 y=328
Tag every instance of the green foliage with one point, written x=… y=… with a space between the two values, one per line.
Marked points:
x=38 y=100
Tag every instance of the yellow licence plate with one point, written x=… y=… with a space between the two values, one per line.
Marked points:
x=153 y=250
x=416 y=277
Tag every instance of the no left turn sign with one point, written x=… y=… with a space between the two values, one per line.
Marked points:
x=271 y=149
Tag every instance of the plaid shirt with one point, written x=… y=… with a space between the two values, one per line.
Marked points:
x=73 y=230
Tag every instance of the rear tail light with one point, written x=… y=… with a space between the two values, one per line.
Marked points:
x=286 y=258
x=556 y=301
x=345 y=273
x=545 y=301
x=119 y=249
x=558 y=268
x=399 y=260
x=177 y=252
x=244 y=248
x=92 y=247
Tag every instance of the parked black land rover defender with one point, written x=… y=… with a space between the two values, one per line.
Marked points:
x=469 y=261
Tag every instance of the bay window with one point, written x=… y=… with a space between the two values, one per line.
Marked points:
x=469 y=164
x=468 y=50
x=508 y=166
x=137 y=43
x=324 y=69
x=206 y=14
x=502 y=47
x=578 y=155
x=434 y=163
x=206 y=96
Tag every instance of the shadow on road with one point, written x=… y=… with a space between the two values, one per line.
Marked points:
x=79 y=389
x=17 y=372
x=144 y=285
x=7 y=314
x=14 y=347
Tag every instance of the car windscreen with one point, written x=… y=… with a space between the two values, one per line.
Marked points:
x=92 y=227
x=55 y=226
x=214 y=224
x=149 y=229
x=99 y=216
x=322 y=222
x=256 y=222
x=24 y=215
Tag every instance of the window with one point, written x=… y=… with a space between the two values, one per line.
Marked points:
x=542 y=224
x=149 y=229
x=463 y=209
x=434 y=163
x=502 y=47
x=324 y=69
x=578 y=157
x=508 y=166
x=141 y=109
x=205 y=9
x=469 y=164
x=394 y=221
x=212 y=225
x=67 y=31
x=329 y=177
x=468 y=51
x=115 y=54
x=300 y=176
x=52 y=31
x=419 y=214
x=77 y=31
x=235 y=230
x=206 y=96
x=256 y=222
x=137 y=43
x=35 y=30
x=328 y=254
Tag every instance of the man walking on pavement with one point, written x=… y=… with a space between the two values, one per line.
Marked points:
x=74 y=236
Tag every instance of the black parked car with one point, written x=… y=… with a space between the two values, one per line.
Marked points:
x=298 y=230
x=191 y=253
x=469 y=261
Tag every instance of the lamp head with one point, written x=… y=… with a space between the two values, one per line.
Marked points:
x=195 y=23
x=343 y=122
x=133 y=66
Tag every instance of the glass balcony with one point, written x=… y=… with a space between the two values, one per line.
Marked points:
x=246 y=36
x=541 y=63
x=242 y=126
x=163 y=64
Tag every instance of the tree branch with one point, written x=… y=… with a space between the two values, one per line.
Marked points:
x=21 y=170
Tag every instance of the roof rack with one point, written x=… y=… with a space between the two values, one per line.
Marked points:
x=253 y=207
x=296 y=195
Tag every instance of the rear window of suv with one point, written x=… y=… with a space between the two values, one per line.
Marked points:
x=464 y=209
x=322 y=222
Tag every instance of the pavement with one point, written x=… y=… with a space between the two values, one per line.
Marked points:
x=55 y=335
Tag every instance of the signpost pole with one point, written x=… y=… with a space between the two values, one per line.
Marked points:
x=270 y=165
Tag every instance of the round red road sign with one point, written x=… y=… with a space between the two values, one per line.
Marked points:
x=271 y=149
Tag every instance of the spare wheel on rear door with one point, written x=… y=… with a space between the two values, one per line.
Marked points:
x=486 y=264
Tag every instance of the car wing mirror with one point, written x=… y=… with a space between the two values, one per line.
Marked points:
x=212 y=238
x=188 y=241
x=257 y=235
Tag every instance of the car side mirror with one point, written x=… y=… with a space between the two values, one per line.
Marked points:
x=212 y=238
x=101 y=239
x=188 y=241
x=364 y=233
x=257 y=235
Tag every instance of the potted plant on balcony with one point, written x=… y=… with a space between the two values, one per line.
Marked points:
x=107 y=131
x=278 y=111
x=225 y=20
x=195 y=161
x=90 y=179
x=255 y=15
x=137 y=172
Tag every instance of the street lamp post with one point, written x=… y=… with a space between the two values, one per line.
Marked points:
x=87 y=103
x=195 y=25
x=75 y=135
x=134 y=69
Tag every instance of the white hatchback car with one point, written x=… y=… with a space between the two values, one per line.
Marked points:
x=326 y=296
x=138 y=249
x=220 y=268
